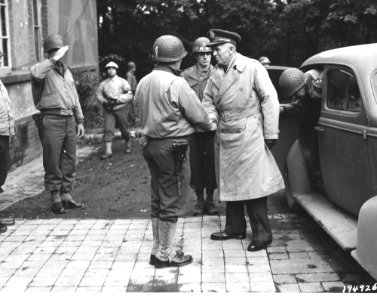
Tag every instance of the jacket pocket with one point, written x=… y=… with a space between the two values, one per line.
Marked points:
x=233 y=126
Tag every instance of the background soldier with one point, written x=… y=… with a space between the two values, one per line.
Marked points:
x=6 y=130
x=168 y=107
x=264 y=60
x=114 y=93
x=60 y=111
x=242 y=98
x=131 y=78
x=202 y=161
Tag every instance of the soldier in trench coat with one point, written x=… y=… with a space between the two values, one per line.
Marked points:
x=242 y=99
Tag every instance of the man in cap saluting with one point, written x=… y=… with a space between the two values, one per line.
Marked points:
x=241 y=98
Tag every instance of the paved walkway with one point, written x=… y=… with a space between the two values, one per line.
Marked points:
x=66 y=255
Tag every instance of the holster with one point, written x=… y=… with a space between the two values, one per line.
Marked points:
x=179 y=151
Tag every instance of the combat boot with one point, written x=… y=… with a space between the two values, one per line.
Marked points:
x=199 y=206
x=165 y=256
x=128 y=147
x=57 y=207
x=68 y=201
x=108 y=152
x=155 y=222
x=210 y=206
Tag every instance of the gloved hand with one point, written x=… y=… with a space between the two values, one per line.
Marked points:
x=270 y=142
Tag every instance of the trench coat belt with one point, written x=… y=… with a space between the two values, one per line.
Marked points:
x=227 y=116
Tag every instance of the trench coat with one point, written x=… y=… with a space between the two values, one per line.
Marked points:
x=244 y=102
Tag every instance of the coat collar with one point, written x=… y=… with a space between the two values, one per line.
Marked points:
x=223 y=81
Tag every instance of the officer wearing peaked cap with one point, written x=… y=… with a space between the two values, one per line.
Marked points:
x=242 y=99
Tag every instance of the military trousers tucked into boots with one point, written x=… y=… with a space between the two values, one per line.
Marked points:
x=257 y=211
x=59 y=152
x=169 y=188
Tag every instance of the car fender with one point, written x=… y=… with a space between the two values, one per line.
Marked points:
x=366 y=251
x=296 y=173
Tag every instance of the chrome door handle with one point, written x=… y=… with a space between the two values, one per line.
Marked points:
x=320 y=129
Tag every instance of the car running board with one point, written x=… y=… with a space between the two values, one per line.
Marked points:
x=340 y=225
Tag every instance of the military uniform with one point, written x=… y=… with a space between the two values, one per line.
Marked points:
x=168 y=109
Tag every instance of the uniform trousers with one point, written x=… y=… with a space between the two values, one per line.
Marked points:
x=119 y=117
x=169 y=188
x=257 y=211
x=59 y=152
x=4 y=158
x=202 y=161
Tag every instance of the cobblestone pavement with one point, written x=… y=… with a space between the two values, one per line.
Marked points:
x=96 y=255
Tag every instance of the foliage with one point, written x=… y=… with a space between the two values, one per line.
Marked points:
x=287 y=31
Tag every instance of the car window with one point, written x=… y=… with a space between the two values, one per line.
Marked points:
x=343 y=92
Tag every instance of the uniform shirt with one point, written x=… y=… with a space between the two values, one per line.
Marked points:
x=168 y=107
x=6 y=117
x=59 y=90
x=115 y=87
x=197 y=80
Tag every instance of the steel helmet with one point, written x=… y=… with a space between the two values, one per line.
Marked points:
x=290 y=81
x=112 y=64
x=53 y=41
x=264 y=60
x=200 y=45
x=168 y=48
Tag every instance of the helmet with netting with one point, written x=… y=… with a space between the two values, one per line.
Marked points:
x=290 y=81
x=52 y=42
x=200 y=45
x=168 y=48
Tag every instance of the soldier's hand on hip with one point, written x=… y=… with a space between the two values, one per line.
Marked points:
x=80 y=130
x=270 y=142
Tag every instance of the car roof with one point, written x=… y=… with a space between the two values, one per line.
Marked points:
x=359 y=57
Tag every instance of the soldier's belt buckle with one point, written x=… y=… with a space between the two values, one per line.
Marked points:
x=226 y=116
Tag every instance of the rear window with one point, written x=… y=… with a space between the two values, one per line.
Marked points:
x=343 y=91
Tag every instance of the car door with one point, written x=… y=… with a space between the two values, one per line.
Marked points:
x=343 y=147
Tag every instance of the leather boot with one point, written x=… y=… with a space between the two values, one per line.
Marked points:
x=68 y=201
x=128 y=147
x=165 y=256
x=108 y=151
x=199 y=206
x=210 y=206
x=155 y=222
x=57 y=207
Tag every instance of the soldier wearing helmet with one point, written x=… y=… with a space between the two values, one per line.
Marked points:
x=168 y=109
x=131 y=78
x=264 y=60
x=55 y=95
x=242 y=99
x=202 y=162
x=114 y=93
x=305 y=92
